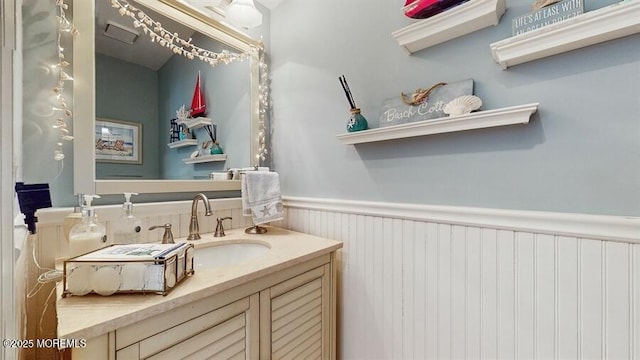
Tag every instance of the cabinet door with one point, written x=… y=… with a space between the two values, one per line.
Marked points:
x=296 y=317
x=230 y=332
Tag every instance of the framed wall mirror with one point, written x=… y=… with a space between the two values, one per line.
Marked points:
x=113 y=81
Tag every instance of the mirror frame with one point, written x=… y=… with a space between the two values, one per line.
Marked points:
x=84 y=107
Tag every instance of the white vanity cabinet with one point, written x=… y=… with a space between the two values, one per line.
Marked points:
x=288 y=314
x=223 y=333
x=295 y=317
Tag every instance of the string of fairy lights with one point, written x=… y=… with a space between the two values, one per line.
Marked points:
x=173 y=41
x=62 y=109
x=263 y=90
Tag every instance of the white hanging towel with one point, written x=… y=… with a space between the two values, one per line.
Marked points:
x=261 y=197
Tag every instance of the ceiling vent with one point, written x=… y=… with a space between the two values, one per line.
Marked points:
x=121 y=33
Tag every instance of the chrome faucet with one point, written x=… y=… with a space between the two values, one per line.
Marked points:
x=167 y=237
x=219 y=228
x=194 y=229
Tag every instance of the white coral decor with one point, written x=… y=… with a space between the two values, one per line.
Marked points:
x=182 y=113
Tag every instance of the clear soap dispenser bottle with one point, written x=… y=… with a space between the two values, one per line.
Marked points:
x=89 y=234
x=73 y=218
x=127 y=228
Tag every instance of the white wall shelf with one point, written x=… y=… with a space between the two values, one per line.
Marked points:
x=205 y=159
x=478 y=120
x=460 y=20
x=593 y=27
x=181 y=143
x=195 y=123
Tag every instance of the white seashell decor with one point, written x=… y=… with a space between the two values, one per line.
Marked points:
x=462 y=105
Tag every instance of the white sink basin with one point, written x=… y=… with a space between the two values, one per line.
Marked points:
x=228 y=254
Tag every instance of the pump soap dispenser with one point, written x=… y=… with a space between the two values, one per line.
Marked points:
x=127 y=228
x=88 y=235
x=73 y=218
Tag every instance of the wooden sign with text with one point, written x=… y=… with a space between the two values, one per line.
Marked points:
x=395 y=111
x=547 y=15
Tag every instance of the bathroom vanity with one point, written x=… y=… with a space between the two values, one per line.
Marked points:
x=280 y=304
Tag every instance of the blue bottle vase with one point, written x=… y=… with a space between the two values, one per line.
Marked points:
x=357 y=122
x=215 y=149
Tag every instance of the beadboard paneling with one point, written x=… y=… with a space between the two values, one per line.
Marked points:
x=453 y=287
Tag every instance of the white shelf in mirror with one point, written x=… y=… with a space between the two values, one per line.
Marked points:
x=458 y=21
x=181 y=143
x=205 y=159
x=593 y=27
x=478 y=120
x=195 y=123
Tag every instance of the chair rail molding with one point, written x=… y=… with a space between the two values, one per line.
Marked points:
x=601 y=227
x=593 y=27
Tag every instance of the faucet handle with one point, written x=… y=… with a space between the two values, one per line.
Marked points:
x=219 y=229
x=167 y=237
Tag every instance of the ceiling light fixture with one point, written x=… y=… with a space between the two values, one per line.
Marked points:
x=243 y=13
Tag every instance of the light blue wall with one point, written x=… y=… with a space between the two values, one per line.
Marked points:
x=129 y=92
x=227 y=93
x=580 y=153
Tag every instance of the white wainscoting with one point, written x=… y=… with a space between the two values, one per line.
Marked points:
x=422 y=282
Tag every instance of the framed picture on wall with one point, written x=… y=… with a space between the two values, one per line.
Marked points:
x=118 y=141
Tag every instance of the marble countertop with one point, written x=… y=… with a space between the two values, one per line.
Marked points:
x=94 y=315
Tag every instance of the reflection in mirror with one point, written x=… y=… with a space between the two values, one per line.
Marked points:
x=239 y=112
x=139 y=81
